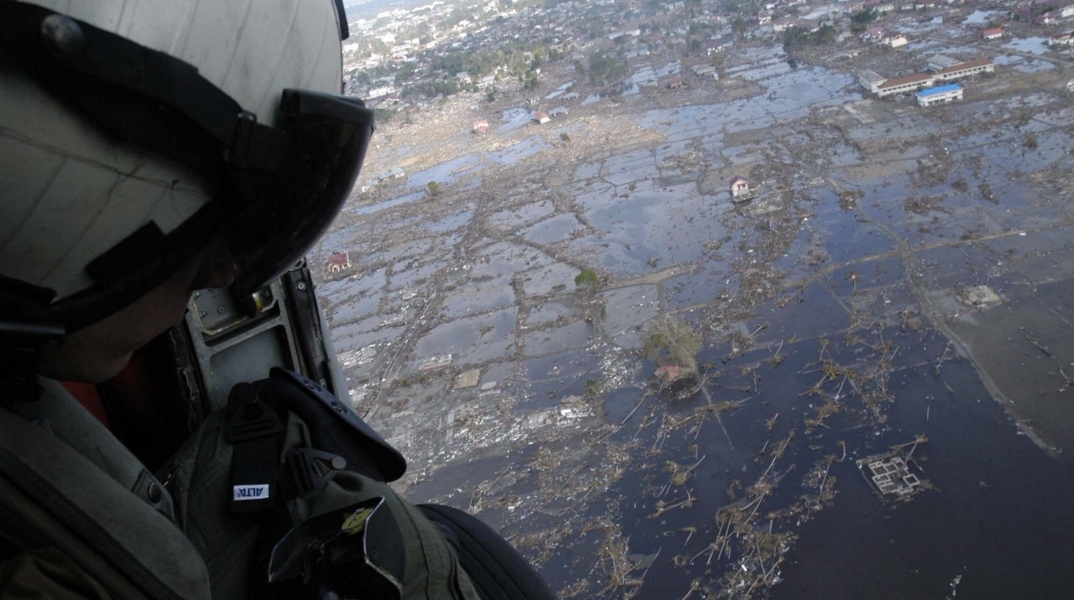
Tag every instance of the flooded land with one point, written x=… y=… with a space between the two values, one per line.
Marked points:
x=883 y=406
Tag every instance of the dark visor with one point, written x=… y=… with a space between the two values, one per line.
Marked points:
x=280 y=187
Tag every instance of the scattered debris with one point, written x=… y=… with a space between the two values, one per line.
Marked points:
x=669 y=372
x=468 y=379
x=892 y=475
x=434 y=363
x=980 y=296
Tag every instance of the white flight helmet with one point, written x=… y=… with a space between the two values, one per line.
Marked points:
x=131 y=131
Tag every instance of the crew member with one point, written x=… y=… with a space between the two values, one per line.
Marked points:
x=150 y=148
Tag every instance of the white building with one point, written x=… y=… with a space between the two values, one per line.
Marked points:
x=870 y=80
x=1061 y=39
x=902 y=85
x=939 y=95
x=966 y=69
x=894 y=40
x=739 y=187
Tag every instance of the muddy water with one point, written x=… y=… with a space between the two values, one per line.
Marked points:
x=1000 y=517
x=997 y=519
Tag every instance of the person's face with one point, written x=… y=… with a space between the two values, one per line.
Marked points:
x=99 y=351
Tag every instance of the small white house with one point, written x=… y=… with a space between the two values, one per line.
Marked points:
x=894 y=40
x=739 y=187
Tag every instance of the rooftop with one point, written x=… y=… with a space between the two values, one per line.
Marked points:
x=943 y=89
x=871 y=76
x=943 y=61
x=915 y=78
x=970 y=64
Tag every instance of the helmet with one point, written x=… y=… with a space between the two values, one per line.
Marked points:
x=132 y=132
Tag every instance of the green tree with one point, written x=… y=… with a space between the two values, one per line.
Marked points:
x=738 y=26
x=671 y=341
x=606 y=68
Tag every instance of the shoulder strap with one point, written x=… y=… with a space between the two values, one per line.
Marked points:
x=54 y=495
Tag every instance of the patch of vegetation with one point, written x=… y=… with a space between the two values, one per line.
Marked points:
x=860 y=20
x=671 y=341
x=923 y=204
x=530 y=80
x=433 y=189
x=961 y=185
x=587 y=278
x=384 y=115
x=1031 y=142
x=565 y=136
x=592 y=387
x=606 y=68
x=848 y=200
x=799 y=36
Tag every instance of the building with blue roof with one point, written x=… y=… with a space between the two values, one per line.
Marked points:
x=939 y=94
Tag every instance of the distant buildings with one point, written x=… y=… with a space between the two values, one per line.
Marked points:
x=1054 y=16
x=942 y=68
x=541 y=117
x=674 y=82
x=1064 y=38
x=481 y=126
x=994 y=33
x=939 y=95
x=872 y=34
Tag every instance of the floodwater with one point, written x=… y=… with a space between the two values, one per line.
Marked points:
x=900 y=285
x=444 y=173
x=1023 y=64
x=979 y=17
x=1032 y=45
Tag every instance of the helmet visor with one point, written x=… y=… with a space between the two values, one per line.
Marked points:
x=280 y=185
x=284 y=211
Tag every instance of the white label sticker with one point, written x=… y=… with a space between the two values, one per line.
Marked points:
x=251 y=492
